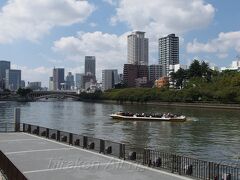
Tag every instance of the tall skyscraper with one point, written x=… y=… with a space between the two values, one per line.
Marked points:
x=69 y=81
x=137 y=48
x=51 y=88
x=90 y=65
x=79 y=81
x=13 y=79
x=109 y=78
x=168 y=52
x=58 y=78
x=4 y=65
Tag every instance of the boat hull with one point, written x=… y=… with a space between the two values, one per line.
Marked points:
x=131 y=118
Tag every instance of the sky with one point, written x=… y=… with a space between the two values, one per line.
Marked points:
x=37 y=35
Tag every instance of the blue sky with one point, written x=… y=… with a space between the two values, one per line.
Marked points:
x=38 y=35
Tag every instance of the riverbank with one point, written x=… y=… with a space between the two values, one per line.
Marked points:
x=178 y=104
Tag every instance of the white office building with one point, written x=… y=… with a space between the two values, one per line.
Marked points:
x=235 y=66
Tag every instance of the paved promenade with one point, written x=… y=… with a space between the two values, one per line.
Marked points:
x=39 y=158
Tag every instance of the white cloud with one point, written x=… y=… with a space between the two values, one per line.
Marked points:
x=109 y=49
x=31 y=19
x=156 y=17
x=220 y=46
x=111 y=2
x=92 y=24
x=161 y=17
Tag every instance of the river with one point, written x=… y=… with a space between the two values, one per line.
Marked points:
x=209 y=134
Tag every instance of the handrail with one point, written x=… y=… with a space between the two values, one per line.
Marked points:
x=9 y=170
x=174 y=163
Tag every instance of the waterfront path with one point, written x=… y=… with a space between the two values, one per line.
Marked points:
x=39 y=158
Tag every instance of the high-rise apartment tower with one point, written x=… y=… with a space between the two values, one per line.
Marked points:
x=137 y=48
x=168 y=52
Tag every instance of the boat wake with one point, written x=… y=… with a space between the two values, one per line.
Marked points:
x=194 y=119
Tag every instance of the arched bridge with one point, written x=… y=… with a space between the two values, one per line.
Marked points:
x=37 y=95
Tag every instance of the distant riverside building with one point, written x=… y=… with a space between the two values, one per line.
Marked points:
x=88 y=80
x=23 y=84
x=4 y=65
x=13 y=79
x=120 y=76
x=35 y=85
x=90 y=65
x=58 y=78
x=79 y=81
x=132 y=73
x=168 y=52
x=69 y=81
x=109 y=78
x=176 y=67
x=155 y=71
x=162 y=82
x=235 y=66
x=137 y=48
x=214 y=68
x=50 y=88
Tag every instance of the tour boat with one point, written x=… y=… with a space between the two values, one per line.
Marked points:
x=148 y=117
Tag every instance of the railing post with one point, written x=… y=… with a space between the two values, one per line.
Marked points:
x=58 y=135
x=70 y=138
x=102 y=146
x=17 y=113
x=122 y=151
x=29 y=130
x=47 y=132
x=24 y=127
x=85 y=141
x=210 y=170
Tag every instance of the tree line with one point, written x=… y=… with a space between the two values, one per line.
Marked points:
x=197 y=84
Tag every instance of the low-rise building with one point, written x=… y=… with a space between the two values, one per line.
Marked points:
x=162 y=82
x=155 y=71
x=35 y=85
x=131 y=72
x=235 y=66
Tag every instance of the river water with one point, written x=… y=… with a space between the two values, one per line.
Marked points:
x=209 y=134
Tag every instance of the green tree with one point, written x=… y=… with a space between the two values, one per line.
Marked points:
x=195 y=69
x=24 y=92
x=179 y=78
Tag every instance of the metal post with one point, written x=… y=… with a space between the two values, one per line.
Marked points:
x=17 y=113
x=122 y=151
x=102 y=146
x=70 y=138
x=58 y=135
x=85 y=141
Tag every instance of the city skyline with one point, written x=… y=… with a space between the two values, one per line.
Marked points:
x=100 y=28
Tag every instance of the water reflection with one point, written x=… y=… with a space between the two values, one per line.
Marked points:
x=209 y=134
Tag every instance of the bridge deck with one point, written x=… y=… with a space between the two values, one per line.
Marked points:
x=40 y=158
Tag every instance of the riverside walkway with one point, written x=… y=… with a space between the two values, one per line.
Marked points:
x=39 y=158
